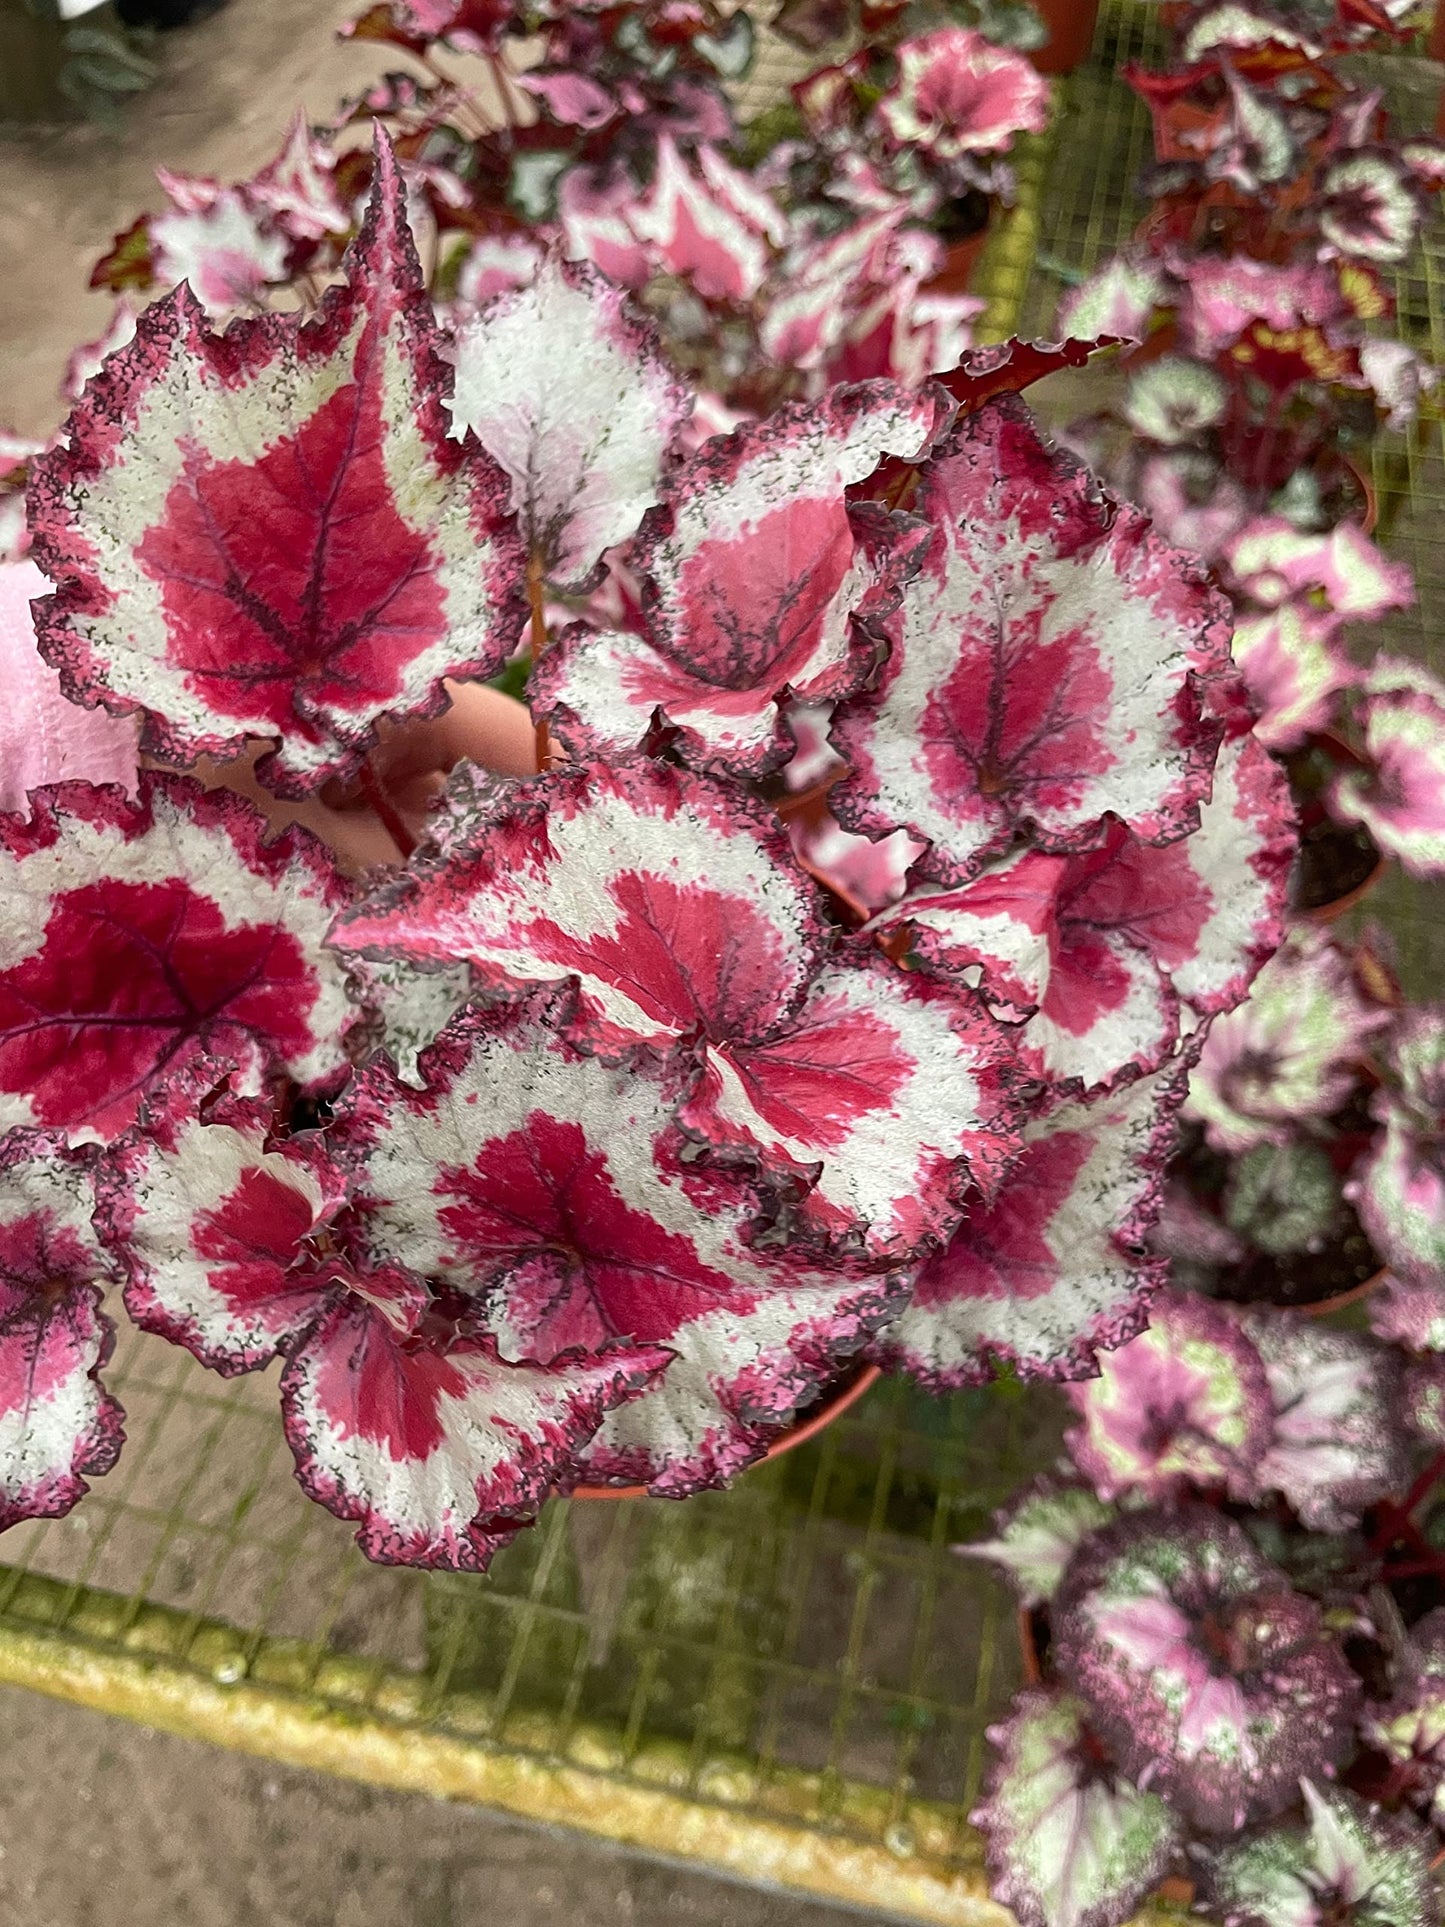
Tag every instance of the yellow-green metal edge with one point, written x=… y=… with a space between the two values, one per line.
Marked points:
x=792 y=1830
x=802 y=1832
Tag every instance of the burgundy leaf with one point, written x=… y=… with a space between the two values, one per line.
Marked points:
x=57 y=1423
x=756 y=577
x=1050 y=1271
x=267 y=533
x=137 y=934
x=1047 y=665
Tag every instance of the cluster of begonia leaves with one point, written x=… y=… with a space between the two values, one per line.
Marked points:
x=592 y=1139
x=1258 y=291
x=1239 y=1685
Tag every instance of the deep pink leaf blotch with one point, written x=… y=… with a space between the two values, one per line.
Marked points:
x=58 y=1426
x=138 y=934
x=1046 y=667
x=268 y=533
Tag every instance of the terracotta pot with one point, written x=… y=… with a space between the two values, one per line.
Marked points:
x=1347 y=757
x=960 y=263
x=834 y=1405
x=1071 y=34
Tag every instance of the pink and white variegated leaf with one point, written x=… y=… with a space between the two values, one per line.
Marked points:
x=957 y=93
x=225 y=253
x=1399 y=1192
x=672 y=901
x=1336 y=1442
x=894 y=1089
x=1272 y=561
x=1102 y=946
x=438 y=1449
x=1175 y=400
x=1049 y=1272
x=1118 y=299
x=704 y=228
x=1038 y=1536
x=1045 y=668
x=1069 y=1842
x=551 y=1188
x=268 y=533
x=44 y=738
x=1226 y=292
x=1295 y=670
x=136 y=935
x=1205 y=1675
x=1410 y=1311
x=1400 y=798
x=1187 y=1402
x=215 y=1230
x=1423 y=1408
x=58 y=1425
x=570 y=394
x=757 y=577
x=1370 y=206
x=1288 y=1052
x=297 y=189
x=1350 y=1862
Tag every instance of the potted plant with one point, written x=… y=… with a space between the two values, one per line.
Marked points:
x=1233 y=1592
x=500 y=1067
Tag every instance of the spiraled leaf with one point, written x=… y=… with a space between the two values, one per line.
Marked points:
x=268 y=533
x=1202 y=1671
x=957 y=93
x=1400 y=798
x=1070 y=1843
x=1187 y=1402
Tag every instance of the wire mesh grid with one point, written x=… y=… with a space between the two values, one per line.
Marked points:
x=790 y=1680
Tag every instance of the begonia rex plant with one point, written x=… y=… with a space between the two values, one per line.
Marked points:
x=1239 y=1681
x=502 y=1070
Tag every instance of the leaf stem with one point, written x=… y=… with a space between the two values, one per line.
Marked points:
x=374 y=791
x=537 y=596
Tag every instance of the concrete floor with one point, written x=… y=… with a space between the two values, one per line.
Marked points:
x=100 y=1821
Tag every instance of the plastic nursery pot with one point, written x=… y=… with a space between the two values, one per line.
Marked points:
x=834 y=1402
x=1339 y=752
x=1071 y=34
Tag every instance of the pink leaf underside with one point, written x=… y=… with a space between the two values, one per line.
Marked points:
x=215 y=1230
x=754 y=571
x=1187 y=1402
x=1048 y=1273
x=571 y=395
x=437 y=1452
x=134 y=935
x=680 y=916
x=1101 y=947
x=57 y=1423
x=548 y=1185
x=1045 y=665
x=1068 y=1845
x=267 y=533
x=44 y=738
